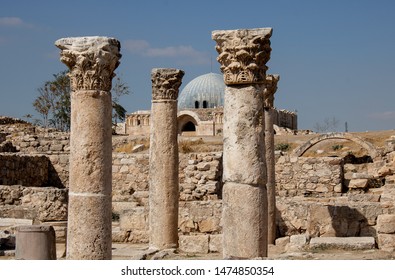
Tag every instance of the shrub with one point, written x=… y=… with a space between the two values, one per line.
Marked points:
x=282 y=147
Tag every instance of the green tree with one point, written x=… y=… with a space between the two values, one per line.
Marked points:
x=119 y=89
x=54 y=105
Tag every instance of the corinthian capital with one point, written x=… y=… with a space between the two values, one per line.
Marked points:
x=243 y=54
x=270 y=90
x=166 y=83
x=91 y=60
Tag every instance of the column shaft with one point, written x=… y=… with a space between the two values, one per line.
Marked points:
x=89 y=216
x=268 y=94
x=271 y=175
x=163 y=171
x=244 y=192
x=243 y=55
x=91 y=61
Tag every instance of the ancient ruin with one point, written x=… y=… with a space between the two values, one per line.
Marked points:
x=270 y=90
x=118 y=196
x=163 y=172
x=243 y=55
x=92 y=61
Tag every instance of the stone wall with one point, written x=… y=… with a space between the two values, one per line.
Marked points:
x=309 y=176
x=37 y=204
x=200 y=190
x=23 y=170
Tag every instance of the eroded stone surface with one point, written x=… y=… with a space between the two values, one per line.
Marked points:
x=163 y=166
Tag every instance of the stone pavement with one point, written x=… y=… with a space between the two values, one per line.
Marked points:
x=323 y=248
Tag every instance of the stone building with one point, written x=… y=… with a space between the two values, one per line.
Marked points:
x=200 y=110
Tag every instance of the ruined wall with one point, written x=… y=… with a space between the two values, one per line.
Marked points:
x=200 y=190
x=23 y=170
x=53 y=145
x=38 y=204
x=309 y=176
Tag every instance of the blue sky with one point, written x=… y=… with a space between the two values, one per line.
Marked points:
x=335 y=58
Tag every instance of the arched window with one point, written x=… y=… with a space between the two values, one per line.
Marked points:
x=196 y=104
x=204 y=104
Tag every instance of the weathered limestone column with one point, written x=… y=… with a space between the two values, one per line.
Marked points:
x=243 y=55
x=163 y=167
x=92 y=61
x=270 y=89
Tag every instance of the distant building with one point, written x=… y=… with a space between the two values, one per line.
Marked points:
x=200 y=106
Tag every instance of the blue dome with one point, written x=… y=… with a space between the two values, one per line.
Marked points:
x=205 y=91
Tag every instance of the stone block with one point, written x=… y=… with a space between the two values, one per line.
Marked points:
x=358 y=183
x=203 y=166
x=386 y=242
x=10 y=222
x=194 y=244
x=134 y=219
x=211 y=224
x=298 y=240
x=215 y=243
x=345 y=243
x=282 y=241
x=386 y=223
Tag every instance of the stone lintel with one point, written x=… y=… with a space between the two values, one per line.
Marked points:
x=243 y=54
x=270 y=89
x=91 y=60
x=166 y=83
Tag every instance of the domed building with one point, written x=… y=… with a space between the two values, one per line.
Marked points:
x=200 y=110
x=205 y=91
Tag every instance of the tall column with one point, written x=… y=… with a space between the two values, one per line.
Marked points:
x=270 y=89
x=243 y=55
x=163 y=164
x=92 y=61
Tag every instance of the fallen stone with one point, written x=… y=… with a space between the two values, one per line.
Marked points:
x=195 y=244
x=346 y=243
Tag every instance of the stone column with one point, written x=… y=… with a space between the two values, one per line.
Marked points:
x=163 y=166
x=35 y=242
x=270 y=89
x=243 y=55
x=92 y=61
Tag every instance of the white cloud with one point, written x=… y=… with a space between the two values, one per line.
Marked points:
x=135 y=46
x=184 y=54
x=13 y=22
x=388 y=115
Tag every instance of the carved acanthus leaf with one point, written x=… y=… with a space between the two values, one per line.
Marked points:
x=91 y=60
x=243 y=54
x=166 y=83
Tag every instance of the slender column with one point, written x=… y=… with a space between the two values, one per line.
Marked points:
x=243 y=55
x=270 y=89
x=92 y=61
x=163 y=167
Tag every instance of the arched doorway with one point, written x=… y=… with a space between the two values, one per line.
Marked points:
x=188 y=123
x=189 y=126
